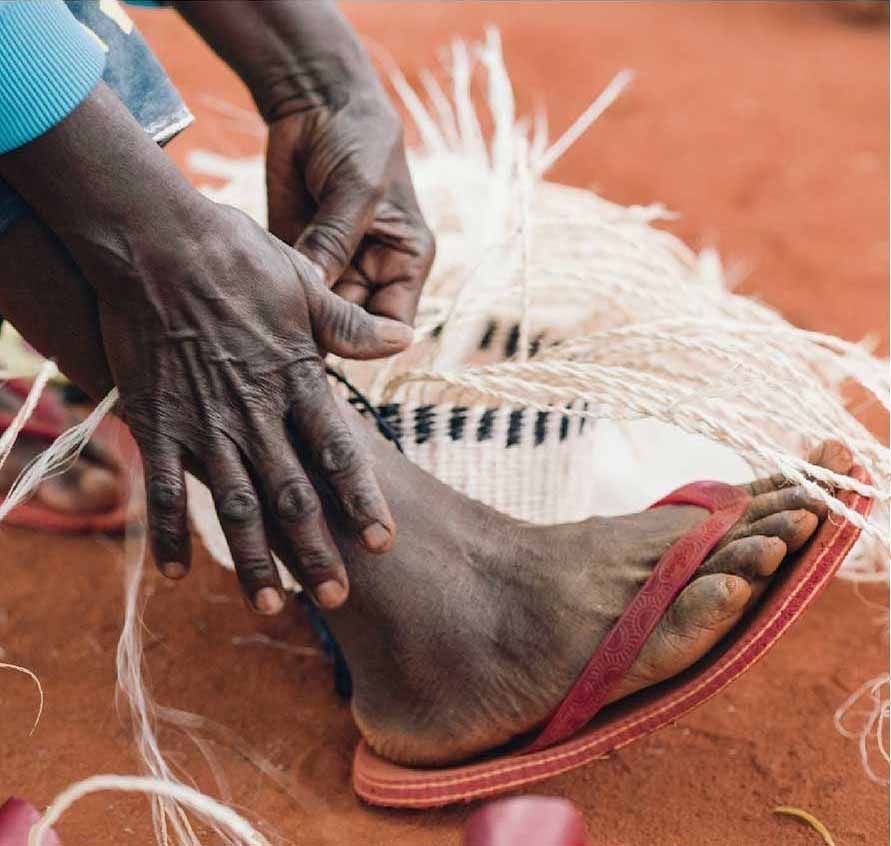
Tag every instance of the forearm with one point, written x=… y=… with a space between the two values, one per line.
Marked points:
x=102 y=186
x=293 y=55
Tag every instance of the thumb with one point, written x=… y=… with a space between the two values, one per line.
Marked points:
x=336 y=229
x=347 y=330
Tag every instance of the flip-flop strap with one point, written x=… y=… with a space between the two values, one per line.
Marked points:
x=618 y=651
x=49 y=408
x=37 y=428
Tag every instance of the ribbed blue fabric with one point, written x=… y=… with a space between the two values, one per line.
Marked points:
x=48 y=65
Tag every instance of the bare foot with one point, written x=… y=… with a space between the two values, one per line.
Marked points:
x=463 y=683
x=91 y=486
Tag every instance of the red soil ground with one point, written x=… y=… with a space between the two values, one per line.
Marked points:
x=766 y=124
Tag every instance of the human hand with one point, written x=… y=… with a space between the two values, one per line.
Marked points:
x=215 y=350
x=339 y=189
x=338 y=184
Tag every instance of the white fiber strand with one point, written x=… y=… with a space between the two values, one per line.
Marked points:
x=238 y=830
x=583 y=122
x=58 y=457
x=865 y=716
x=47 y=371
x=33 y=677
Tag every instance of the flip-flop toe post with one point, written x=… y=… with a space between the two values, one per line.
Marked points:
x=582 y=730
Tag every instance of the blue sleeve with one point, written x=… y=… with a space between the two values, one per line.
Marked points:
x=48 y=65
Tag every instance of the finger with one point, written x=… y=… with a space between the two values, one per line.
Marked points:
x=397 y=254
x=342 y=464
x=349 y=331
x=353 y=287
x=289 y=205
x=299 y=525
x=166 y=505
x=241 y=519
x=339 y=224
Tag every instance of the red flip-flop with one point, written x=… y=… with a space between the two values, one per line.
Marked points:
x=47 y=423
x=582 y=730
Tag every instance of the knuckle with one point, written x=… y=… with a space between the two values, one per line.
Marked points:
x=306 y=381
x=296 y=502
x=315 y=561
x=253 y=569
x=330 y=238
x=238 y=506
x=166 y=493
x=167 y=540
x=348 y=321
x=361 y=501
x=339 y=455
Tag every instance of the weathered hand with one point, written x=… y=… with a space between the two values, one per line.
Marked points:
x=338 y=183
x=212 y=338
x=339 y=190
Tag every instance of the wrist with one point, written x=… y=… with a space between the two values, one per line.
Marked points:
x=294 y=57
x=325 y=83
x=104 y=188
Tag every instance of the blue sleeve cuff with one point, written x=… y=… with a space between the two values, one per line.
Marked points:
x=49 y=63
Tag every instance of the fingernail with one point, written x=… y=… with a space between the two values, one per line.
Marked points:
x=375 y=536
x=173 y=570
x=268 y=601
x=330 y=594
x=396 y=333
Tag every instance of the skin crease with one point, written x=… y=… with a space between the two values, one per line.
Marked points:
x=213 y=329
x=470 y=630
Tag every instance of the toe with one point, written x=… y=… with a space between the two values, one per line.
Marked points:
x=84 y=489
x=752 y=557
x=792 y=527
x=704 y=612
x=785 y=499
x=101 y=489
x=833 y=455
x=771 y=483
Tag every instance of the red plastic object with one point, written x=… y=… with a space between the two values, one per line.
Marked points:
x=527 y=821
x=16 y=819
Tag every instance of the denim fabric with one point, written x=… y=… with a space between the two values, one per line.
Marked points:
x=133 y=73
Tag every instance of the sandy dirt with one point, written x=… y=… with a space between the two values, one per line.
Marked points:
x=766 y=124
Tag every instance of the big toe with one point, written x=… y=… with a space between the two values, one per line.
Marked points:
x=703 y=613
x=85 y=489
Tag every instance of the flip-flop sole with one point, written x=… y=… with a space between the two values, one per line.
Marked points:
x=800 y=581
